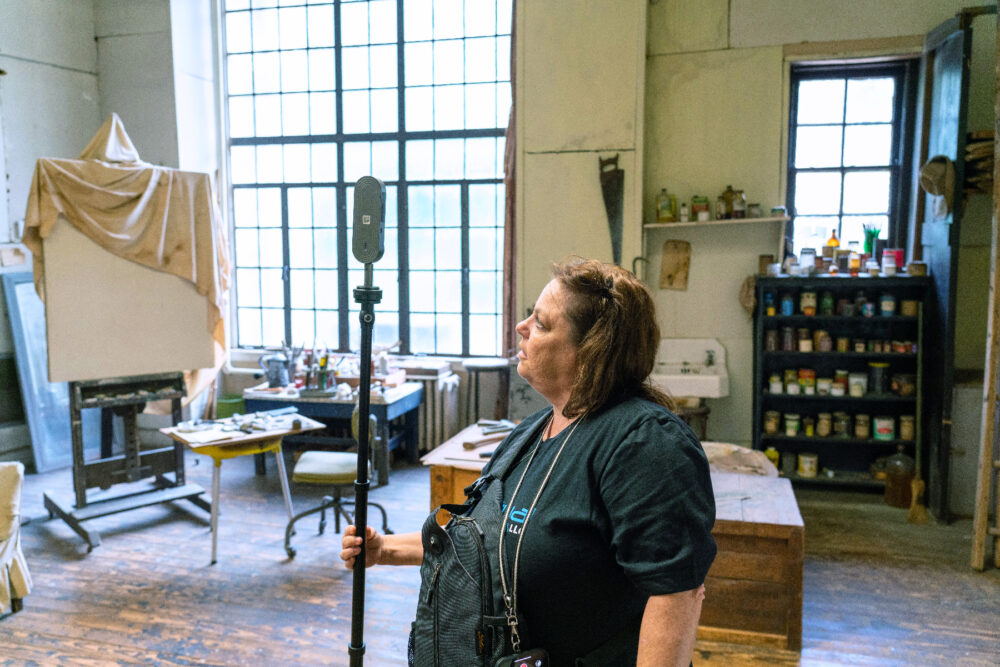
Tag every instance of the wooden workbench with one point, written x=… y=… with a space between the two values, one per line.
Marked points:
x=754 y=588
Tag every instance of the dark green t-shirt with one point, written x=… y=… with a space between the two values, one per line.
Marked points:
x=627 y=513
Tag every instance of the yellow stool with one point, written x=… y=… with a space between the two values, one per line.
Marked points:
x=221 y=452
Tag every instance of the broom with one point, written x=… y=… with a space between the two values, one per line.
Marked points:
x=918 y=512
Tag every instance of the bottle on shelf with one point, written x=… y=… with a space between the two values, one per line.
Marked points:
x=833 y=241
x=727 y=197
x=664 y=207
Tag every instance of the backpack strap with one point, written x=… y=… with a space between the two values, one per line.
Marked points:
x=511 y=453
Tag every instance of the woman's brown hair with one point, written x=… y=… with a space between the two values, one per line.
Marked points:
x=613 y=321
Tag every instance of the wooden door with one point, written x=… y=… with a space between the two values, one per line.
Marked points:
x=946 y=93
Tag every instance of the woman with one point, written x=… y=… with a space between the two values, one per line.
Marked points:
x=611 y=566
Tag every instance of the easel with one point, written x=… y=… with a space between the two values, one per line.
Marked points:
x=125 y=397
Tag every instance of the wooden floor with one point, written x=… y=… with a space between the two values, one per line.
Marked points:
x=878 y=591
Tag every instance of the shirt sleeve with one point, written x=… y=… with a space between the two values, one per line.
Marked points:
x=657 y=490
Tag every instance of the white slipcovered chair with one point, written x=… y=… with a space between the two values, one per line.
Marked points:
x=15 y=580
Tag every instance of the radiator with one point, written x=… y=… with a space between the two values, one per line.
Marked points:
x=438 y=409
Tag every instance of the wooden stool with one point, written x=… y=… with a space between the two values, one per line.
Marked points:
x=474 y=368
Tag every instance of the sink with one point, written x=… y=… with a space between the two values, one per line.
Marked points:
x=694 y=367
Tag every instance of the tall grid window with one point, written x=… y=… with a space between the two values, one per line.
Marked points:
x=849 y=152
x=415 y=93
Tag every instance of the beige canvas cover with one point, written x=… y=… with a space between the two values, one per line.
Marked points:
x=162 y=218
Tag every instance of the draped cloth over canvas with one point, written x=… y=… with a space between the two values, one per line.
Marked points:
x=163 y=218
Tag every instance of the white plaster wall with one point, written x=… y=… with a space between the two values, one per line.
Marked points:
x=48 y=99
x=135 y=63
x=580 y=68
x=194 y=84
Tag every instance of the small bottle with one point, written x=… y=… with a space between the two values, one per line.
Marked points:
x=739 y=205
x=833 y=241
x=854 y=264
x=727 y=196
x=664 y=209
x=720 y=208
x=685 y=215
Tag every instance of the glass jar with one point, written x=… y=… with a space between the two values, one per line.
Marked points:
x=907 y=427
x=807 y=303
x=878 y=373
x=824 y=423
x=771 y=340
x=841 y=424
x=787 y=305
x=788 y=339
x=862 y=427
x=772 y=420
x=826 y=304
x=899 y=469
x=791 y=424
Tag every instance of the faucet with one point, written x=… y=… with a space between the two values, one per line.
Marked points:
x=709 y=357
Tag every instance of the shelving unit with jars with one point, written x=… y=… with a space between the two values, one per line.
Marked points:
x=837 y=374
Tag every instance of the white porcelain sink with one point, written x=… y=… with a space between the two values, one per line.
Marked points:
x=694 y=367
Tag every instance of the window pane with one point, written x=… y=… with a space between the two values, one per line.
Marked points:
x=269 y=164
x=866 y=192
x=244 y=207
x=299 y=207
x=242 y=164
x=266 y=73
x=354 y=23
x=323 y=113
x=269 y=207
x=817 y=193
x=240 y=116
x=248 y=286
x=267 y=115
x=356 y=112
x=303 y=326
x=449 y=162
x=355 y=67
x=384 y=111
x=817 y=146
x=448 y=19
x=274 y=327
x=421 y=206
x=295 y=114
x=239 y=75
x=449 y=334
x=238 y=32
x=420 y=160
x=325 y=248
x=483 y=205
x=247 y=242
x=483 y=249
x=324 y=207
x=417 y=20
x=270 y=248
x=813 y=231
x=271 y=288
x=821 y=101
x=324 y=163
x=480 y=18
x=386 y=331
x=265 y=30
x=383 y=66
x=302 y=288
x=484 y=334
x=482 y=292
x=297 y=163
x=449 y=108
x=357 y=161
x=448 y=61
x=248 y=323
x=419 y=109
x=294 y=70
x=385 y=160
x=421 y=250
x=480 y=105
x=326 y=290
x=419 y=64
x=320 y=26
x=448 y=251
x=382 y=21
x=480 y=158
x=300 y=250
x=867 y=145
x=447 y=206
x=322 y=69
x=327 y=325
x=422 y=334
x=421 y=291
x=480 y=59
x=870 y=100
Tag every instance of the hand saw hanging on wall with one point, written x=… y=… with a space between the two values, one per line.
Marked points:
x=613 y=188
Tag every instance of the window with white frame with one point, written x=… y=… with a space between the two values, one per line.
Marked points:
x=850 y=152
x=321 y=92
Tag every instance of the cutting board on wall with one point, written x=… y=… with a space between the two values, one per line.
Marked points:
x=675 y=261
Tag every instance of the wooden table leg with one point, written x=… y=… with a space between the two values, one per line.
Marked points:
x=284 y=480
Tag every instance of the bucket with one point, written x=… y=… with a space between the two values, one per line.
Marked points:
x=229 y=405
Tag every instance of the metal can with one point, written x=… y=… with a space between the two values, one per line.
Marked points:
x=885 y=428
x=775 y=385
x=843 y=344
x=787 y=339
x=807 y=380
x=805 y=341
x=787 y=305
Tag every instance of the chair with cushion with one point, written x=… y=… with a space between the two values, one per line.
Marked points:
x=15 y=580
x=339 y=471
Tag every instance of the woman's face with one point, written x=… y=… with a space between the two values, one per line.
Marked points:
x=547 y=359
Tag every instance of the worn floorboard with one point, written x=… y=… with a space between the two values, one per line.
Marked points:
x=878 y=590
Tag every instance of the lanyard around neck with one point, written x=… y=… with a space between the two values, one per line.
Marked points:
x=510 y=596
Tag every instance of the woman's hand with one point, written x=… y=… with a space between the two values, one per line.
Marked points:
x=351 y=544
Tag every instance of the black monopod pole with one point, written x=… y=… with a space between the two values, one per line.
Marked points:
x=368 y=246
